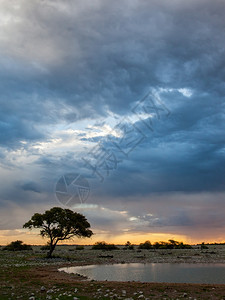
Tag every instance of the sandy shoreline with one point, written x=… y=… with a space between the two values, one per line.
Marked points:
x=97 y=289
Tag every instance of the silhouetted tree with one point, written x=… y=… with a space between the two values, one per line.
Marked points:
x=104 y=246
x=145 y=245
x=17 y=246
x=128 y=246
x=171 y=244
x=59 y=224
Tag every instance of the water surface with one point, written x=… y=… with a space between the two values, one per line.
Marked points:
x=154 y=272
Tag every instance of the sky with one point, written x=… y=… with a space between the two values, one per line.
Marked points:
x=114 y=109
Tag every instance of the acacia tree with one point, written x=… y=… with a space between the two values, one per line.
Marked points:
x=59 y=224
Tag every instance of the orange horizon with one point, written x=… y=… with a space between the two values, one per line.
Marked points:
x=117 y=244
x=32 y=238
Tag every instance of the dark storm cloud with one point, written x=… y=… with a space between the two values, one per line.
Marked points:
x=103 y=55
x=31 y=186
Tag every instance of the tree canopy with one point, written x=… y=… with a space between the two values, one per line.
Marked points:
x=59 y=224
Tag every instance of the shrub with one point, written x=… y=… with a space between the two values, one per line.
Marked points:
x=171 y=244
x=203 y=246
x=45 y=247
x=104 y=246
x=79 y=247
x=145 y=245
x=17 y=246
x=128 y=246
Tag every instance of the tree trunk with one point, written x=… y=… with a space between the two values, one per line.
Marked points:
x=52 y=248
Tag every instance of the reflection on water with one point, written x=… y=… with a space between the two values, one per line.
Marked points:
x=160 y=272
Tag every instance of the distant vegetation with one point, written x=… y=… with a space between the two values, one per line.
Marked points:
x=214 y=244
x=104 y=246
x=79 y=247
x=45 y=247
x=128 y=246
x=17 y=246
x=171 y=244
x=203 y=246
x=145 y=245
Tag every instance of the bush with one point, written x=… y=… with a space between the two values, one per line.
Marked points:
x=203 y=246
x=128 y=246
x=104 y=246
x=171 y=244
x=17 y=246
x=45 y=248
x=145 y=245
x=79 y=247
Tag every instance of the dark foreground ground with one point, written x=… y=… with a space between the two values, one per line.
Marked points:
x=28 y=275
